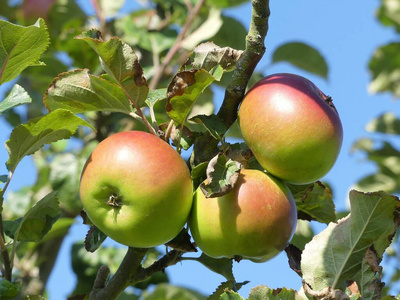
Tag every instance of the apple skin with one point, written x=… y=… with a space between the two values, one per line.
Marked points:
x=150 y=182
x=255 y=220
x=292 y=128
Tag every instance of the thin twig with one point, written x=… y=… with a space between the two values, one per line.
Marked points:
x=6 y=260
x=158 y=72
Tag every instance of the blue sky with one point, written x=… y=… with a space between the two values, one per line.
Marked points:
x=346 y=33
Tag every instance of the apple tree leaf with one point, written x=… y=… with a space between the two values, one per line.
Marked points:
x=94 y=238
x=211 y=57
x=167 y=291
x=385 y=123
x=9 y=290
x=156 y=95
x=369 y=278
x=230 y=295
x=212 y=123
x=207 y=29
x=314 y=202
x=302 y=56
x=183 y=91
x=21 y=47
x=384 y=66
x=199 y=173
x=79 y=91
x=182 y=242
x=222 y=174
x=263 y=292
x=36 y=222
x=335 y=255
x=121 y=63
x=389 y=14
x=17 y=96
x=224 y=287
x=221 y=266
x=27 y=138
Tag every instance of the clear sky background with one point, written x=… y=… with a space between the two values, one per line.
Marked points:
x=346 y=33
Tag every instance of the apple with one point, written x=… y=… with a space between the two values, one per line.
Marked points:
x=255 y=220
x=136 y=189
x=292 y=128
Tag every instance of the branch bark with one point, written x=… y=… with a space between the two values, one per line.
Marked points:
x=205 y=147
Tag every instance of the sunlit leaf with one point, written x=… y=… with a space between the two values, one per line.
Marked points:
x=302 y=56
x=27 y=138
x=17 y=96
x=156 y=95
x=389 y=13
x=121 y=63
x=385 y=123
x=336 y=254
x=263 y=292
x=184 y=90
x=35 y=224
x=169 y=292
x=384 y=67
x=79 y=91
x=205 y=31
x=21 y=47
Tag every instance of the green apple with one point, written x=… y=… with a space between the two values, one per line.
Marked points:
x=255 y=220
x=292 y=128
x=136 y=189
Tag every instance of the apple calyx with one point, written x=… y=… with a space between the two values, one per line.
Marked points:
x=114 y=200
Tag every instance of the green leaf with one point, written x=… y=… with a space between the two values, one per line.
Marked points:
x=384 y=67
x=17 y=96
x=222 y=174
x=27 y=138
x=9 y=290
x=21 y=47
x=336 y=254
x=263 y=292
x=227 y=286
x=165 y=291
x=225 y=3
x=120 y=62
x=60 y=228
x=230 y=295
x=389 y=14
x=156 y=95
x=207 y=29
x=94 y=238
x=79 y=91
x=3 y=178
x=86 y=264
x=184 y=90
x=387 y=178
x=37 y=221
x=199 y=174
x=221 y=266
x=302 y=56
x=232 y=34
x=212 y=123
x=385 y=123
x=303 y=235
x=314 y=202
x=111 y=8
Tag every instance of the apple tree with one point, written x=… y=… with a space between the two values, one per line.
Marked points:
x=74 y=81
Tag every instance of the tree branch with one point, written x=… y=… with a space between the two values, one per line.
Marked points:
x=121 y=279
x=253 y=53
x=205 y=147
